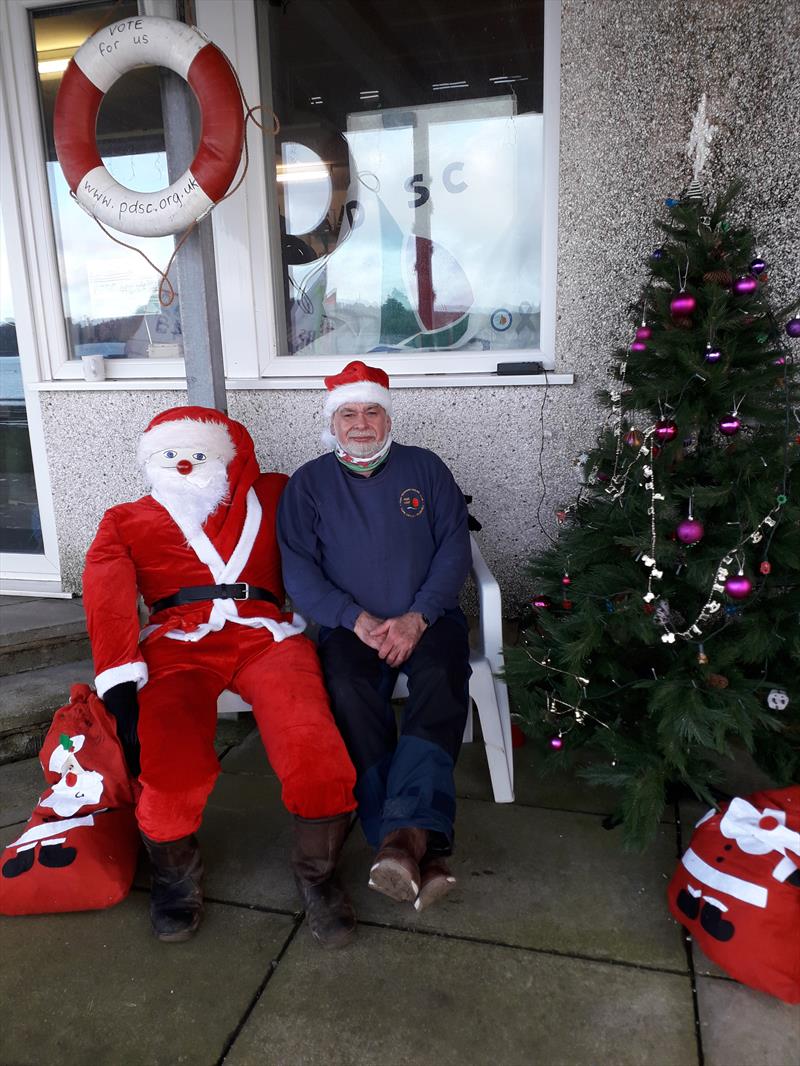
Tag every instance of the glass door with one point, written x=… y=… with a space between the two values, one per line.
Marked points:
x=28 y=551
x=20 y=525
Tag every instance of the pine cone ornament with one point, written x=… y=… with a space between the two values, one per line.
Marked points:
x=718 y=277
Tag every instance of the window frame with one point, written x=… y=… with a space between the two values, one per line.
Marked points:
x=26 y=571
x=247 y=277
x=19 y=82
x=247 y=266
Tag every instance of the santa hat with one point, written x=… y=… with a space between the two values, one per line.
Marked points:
x=357 y=383
x=188 y=427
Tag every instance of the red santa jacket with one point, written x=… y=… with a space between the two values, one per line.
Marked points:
x=139 y=548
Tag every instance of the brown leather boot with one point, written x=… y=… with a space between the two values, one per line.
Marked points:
x=317 y=843
x=437 y=880
x=176 y=887
x=395 y=871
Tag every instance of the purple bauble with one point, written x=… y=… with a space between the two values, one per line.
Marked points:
x=739 y=587
x=666 y=430
x=657 y=253
x=682 y=304
x=556 y=743
x=729 y=425
x=644 y=333
x=690 y=531
x=758 y=266
x=780 y=361
x=793 y=326
x=638 y=346
x=712 y=355
x=744 y=285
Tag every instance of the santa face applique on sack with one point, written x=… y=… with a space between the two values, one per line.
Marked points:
x=77 y=787
x=78 y=850
x=737 y=890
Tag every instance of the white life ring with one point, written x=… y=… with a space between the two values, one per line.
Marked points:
x=98 y=63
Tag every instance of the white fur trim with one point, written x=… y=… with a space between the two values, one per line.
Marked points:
x=279 y=630
x=185 y=433
x=357 y=392
x=118 y=674
x=241 y=553
x=223 y=611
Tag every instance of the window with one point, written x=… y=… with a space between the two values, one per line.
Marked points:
x=109 y=293
x=20 y=525
x=407 y=184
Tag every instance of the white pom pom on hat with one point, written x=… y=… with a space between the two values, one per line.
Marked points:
x=187 y=427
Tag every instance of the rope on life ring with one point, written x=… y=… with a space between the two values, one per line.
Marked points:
x=102 y=60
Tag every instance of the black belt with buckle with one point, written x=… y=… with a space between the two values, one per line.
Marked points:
x=197 y=593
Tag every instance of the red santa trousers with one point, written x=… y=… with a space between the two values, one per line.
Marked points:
x=178 y=716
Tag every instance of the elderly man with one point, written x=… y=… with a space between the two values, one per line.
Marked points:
x=375 y=548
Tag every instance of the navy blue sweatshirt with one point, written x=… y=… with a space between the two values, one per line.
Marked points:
x=390 y=543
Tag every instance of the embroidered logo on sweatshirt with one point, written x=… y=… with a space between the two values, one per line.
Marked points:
x=411 y=503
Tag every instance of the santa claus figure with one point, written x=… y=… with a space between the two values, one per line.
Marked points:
x=202 y=552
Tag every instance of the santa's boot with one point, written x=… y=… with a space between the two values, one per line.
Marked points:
x=317 y=843
x=395 y=871
x=176 y=887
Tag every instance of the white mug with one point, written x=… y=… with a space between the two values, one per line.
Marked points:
x=94 y=367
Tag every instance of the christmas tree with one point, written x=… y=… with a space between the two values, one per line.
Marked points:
x=664 y=628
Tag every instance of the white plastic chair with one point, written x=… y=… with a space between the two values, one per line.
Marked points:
x=487 y=691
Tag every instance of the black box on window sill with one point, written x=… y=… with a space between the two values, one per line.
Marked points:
x=518 y=369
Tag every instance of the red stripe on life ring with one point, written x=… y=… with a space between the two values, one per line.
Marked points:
x=222 y=132
x=74 y=121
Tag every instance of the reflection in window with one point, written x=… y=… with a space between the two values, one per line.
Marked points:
x=110 y=293
x=20 y=528
x=409 y=173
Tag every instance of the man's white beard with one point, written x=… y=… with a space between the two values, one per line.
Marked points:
x=190 y=498
x=363 y=450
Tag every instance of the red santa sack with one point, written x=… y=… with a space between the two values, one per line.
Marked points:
x=80 y=846
x=737 y=890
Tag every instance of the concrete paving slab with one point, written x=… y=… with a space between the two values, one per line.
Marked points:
x=12 y=831
x=34 y=694
x=231 y=732
x=98 y=988
x=741 y=1026
x=22 y=620
x=534 y=784
x=20 y=785
x=28 y=701
x=542 y=879
x=396 y=998
x=246 y=838
x=248 y=757
x=703 y=964
x=562 y=791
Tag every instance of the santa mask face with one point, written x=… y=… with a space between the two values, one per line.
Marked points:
x=189 y=480
x=190 y=462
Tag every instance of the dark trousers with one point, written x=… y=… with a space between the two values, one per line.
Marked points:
x=406 y=780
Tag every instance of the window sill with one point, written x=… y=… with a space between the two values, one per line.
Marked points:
x=410 y=381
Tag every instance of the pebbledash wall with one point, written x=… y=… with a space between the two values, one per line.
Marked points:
x=632 y=73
